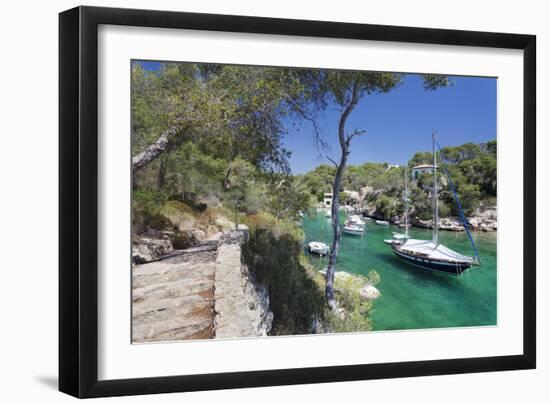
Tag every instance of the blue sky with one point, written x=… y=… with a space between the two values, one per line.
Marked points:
x=400 y=123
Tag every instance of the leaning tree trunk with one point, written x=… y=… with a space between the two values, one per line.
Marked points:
x=329 y=289
x=344 y=146
x=161 y=179
x=157 y=148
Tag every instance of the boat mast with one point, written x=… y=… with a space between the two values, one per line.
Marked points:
x=406 y=205
x=435 y=235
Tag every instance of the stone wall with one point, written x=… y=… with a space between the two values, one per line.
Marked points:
x=241 y=305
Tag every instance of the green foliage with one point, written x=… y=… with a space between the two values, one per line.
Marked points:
x=386 y=206
x=373 y=277
x=243 y=189
x=481 y=171
x=339 y=84
x=343 y=198
x=319 y=181
x=296 y=289
x=434 y=81
x=288 y=197
x=146 y=210
x=421 y=206
x=357 y=310
x=469 y=197
x=491 y=147
x=182 y=240
x=295 y=298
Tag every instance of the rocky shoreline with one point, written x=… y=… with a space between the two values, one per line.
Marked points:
x=485 y=221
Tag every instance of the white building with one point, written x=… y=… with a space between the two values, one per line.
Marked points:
x=420 y=169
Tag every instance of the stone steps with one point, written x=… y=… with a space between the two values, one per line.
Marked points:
x=199 y=293
x=173 y=298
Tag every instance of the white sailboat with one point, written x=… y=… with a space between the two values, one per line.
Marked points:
x=430 y=254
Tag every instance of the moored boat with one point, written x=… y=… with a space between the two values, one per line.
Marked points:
x=354 y=226
x=316 y=247
x=382 y=223
x=353 y=229
x=430 y=254
x=427 y=254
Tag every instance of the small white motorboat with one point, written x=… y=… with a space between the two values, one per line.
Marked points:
x=316 y=247
x=354 y=226
x=382 y=223
x=353 y=229
x=356 y=219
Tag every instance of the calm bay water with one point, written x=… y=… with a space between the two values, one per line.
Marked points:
x=412 y=297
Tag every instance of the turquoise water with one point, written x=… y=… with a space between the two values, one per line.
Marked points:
x=412 y=297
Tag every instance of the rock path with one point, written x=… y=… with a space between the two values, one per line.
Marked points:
x=241 y=308
x=173 y=299
x=199 y=293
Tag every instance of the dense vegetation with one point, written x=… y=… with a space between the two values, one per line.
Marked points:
x=228 y=147
x=472 y=168
x=296 y=289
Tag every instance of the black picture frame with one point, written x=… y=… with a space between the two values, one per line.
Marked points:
x=78 y=201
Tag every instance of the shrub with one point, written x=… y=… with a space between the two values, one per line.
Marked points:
x=182 y=240
x=386 y=206
x=357 y=310
x=206 y=219
x=295 y=298
x=146 y=210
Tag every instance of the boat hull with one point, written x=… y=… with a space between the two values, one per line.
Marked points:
x=455 y=268
x=353 y=232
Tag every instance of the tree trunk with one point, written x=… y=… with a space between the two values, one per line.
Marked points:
x=161 y=180
x=344 y=146
x=157 y=148
x=329 y=289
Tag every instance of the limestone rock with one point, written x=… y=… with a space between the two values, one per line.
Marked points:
x=198 y=234
x=241 y=305
x=146 y=249
x=369 y=292
x=172 y=299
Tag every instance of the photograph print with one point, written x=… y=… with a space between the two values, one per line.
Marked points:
x=277 y=201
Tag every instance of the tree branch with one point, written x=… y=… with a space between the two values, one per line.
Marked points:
x=355 y=133
x=318 y=140
x=332 y=161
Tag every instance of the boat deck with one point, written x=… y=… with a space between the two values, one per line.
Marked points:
x=428 y=249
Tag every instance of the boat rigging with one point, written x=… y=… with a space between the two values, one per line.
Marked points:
x=432 y=255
